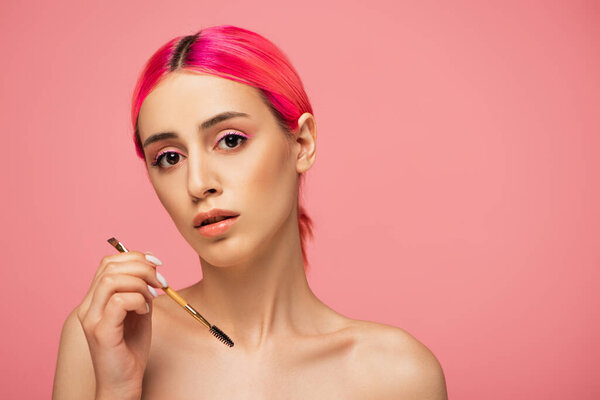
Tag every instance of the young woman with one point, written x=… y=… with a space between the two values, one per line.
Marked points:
x=225 y=128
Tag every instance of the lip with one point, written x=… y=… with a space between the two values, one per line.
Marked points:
x=215 y=212
x=217 y=228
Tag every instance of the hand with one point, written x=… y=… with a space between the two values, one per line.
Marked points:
x=116 y=318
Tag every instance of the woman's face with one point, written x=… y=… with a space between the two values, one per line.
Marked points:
x=199 y=168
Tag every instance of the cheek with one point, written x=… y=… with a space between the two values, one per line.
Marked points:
x=270 y=181
x=166 y=191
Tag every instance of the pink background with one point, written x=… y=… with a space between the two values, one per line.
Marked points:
x=455 y=194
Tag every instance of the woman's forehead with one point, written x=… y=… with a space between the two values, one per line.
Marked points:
x=189 y=96
x=186 y=87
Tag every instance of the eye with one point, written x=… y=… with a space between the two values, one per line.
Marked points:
x=231 y=140
x=171 y=157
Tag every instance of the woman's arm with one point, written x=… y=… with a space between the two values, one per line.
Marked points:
x=74 y=377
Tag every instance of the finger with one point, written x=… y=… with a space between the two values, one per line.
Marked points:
x=134 y=267
x=115 y=312
x=129 y=256
x=116 y=283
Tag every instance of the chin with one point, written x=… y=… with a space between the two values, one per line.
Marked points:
x=223 y=252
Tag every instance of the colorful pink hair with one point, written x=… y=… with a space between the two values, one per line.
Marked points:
x=239 y=55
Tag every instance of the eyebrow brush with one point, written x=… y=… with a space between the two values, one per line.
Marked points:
x=219 y=334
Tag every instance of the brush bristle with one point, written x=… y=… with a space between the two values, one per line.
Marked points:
x=113 y=241
x=219 y=334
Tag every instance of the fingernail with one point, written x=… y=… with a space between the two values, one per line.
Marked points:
x=147 y=307
x=153 y=259
x=161 y=279
x=152 y=291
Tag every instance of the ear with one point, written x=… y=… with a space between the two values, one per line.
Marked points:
x=306 y=142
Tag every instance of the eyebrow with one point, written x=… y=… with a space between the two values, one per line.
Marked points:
x=204 y=126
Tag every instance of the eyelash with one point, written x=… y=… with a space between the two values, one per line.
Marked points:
x=159 y=156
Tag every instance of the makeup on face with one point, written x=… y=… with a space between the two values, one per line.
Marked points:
x=231 y=137
x=217 y=228
x=213 y=139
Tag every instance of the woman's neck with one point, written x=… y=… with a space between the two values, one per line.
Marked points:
x=266 y=296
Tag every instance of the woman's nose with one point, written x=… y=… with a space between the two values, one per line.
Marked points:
x=202 y=181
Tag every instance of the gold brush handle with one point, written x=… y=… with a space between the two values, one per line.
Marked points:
x=175 y=296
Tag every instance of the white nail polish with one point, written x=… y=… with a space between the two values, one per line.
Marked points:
x=153 y=259
x=161 y=279
x=152 y=291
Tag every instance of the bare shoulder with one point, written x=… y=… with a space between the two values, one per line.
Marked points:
x=394 y=364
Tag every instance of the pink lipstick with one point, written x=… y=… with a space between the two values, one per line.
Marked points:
x=216 y=228
x=214 y=222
